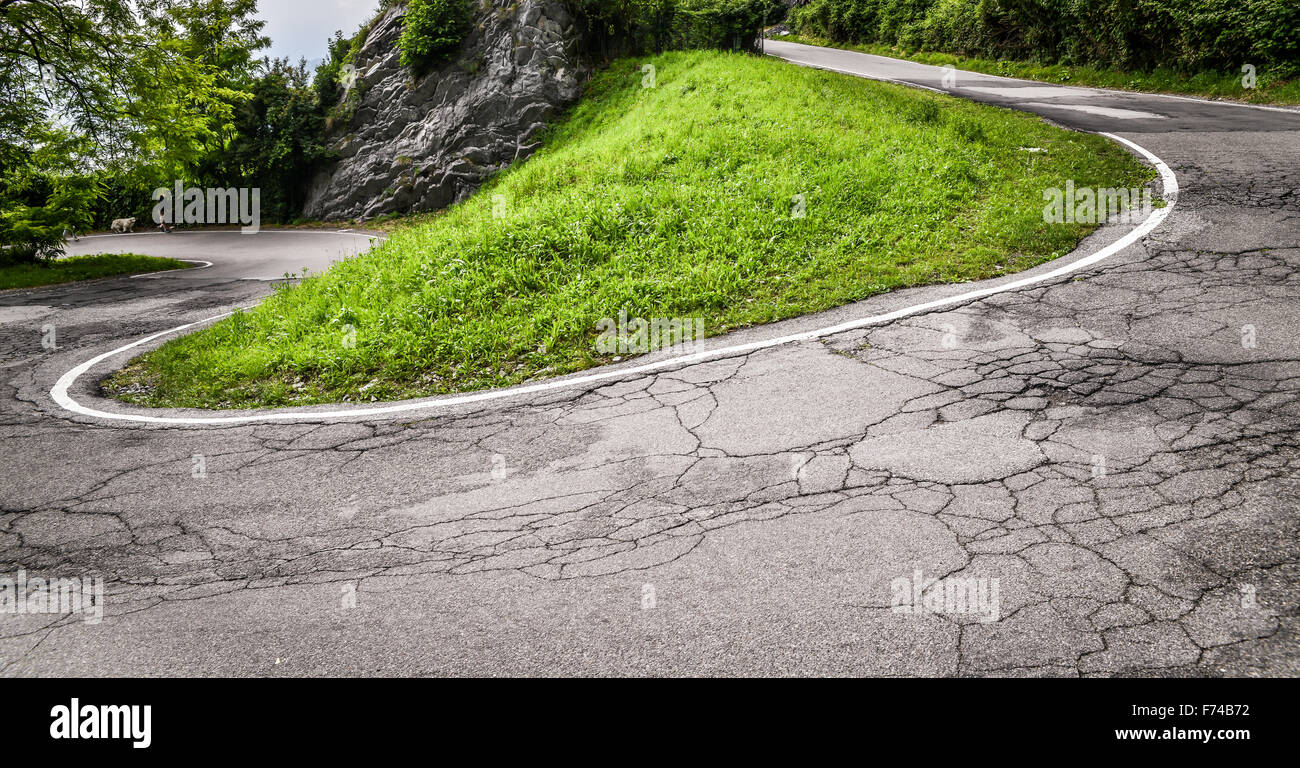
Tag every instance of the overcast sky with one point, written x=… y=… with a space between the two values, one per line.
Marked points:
x=299 y=28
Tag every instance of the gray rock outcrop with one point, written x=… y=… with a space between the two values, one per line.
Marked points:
x=420 y=143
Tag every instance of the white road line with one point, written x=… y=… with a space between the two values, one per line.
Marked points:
x=347 y=232
x=881 y=78
x=202 y=265
x=1092 y=109
x=1092 y=88
x=60 y=395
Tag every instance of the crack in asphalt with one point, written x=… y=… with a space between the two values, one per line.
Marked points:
x=1119 y=449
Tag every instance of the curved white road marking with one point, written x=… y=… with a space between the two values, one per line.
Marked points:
x=60 y=391
x=1092 y=88
x=173 y=233
x=202 y=265
x=1092 y=109
x=1219 y=102
x=855 y=73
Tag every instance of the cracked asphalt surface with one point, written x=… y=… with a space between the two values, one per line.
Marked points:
x=1118 y=448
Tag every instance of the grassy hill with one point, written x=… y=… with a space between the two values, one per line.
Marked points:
x=681 y=200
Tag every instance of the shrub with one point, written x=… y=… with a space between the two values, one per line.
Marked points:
x=326 y=83
x=431 y=29
x=29 y=235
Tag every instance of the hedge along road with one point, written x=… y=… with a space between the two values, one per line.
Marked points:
x=1116 y=445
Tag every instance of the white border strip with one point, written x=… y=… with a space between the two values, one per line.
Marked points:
x=60 y=391
x=1094 y=88
x=176 y=232
x=880 y=78
x=202 y=265
x=1222 y=103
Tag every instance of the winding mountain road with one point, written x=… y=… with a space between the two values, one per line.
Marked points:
x=1117 y=445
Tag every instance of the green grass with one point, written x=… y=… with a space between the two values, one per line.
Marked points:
x=1212 y=85
x=668 y=202
x=82 y=268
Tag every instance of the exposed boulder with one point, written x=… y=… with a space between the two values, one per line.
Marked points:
x=420 y=143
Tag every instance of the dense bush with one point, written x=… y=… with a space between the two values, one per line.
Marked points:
x=1189 y=35
x=29 y=234
x=326 y=80
x=719 y=23
x=618 y=27
x=431 y=29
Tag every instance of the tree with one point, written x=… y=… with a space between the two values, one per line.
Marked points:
x=278 y=138
x=123 y=93
x=65 y=60
x=218 y=38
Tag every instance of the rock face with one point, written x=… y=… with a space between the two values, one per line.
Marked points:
x=420 y=143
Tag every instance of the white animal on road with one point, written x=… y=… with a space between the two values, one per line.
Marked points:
x=123 y=225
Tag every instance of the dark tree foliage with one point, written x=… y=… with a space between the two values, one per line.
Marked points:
x=1187 y=35
x=622 y=27
x=279 y=139
x=103 y=100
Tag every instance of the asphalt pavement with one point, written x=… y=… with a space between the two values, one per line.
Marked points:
x=1097 y=464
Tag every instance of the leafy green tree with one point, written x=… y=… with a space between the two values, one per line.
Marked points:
x=219 y=39
x=326 y=82
x=278 y=138
x=114 y=95
x=73 y=61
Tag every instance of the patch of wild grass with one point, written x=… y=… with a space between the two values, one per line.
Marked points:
x=673 y=201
